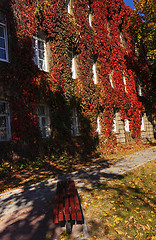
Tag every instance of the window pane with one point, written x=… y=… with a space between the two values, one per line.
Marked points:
x=41 y=54
x=1 y=31
x=2 y=19
x=2 y=108
x=35 y=59
x=41 y=110
x=2 y=53
x=2 y=43
x=40 y=45
x=44 y=132
x=74 y=125
x=33 y=42
x=3 y=122
x=3 y=134
x=44 y=122
x=41 y=64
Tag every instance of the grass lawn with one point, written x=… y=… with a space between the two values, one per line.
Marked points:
x=22 y=173
x=123 y=208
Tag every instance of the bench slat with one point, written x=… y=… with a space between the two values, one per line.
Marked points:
x=78 y=209
x=76 y=202
x=56 y=205
x=72 y=204
x=67 y=213
x=61 y=210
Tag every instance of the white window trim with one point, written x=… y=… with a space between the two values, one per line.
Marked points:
x=4 y=25
x=47 y=116
x=121 y=40
x=75 y=123
x=36 y=54
x=124 y=80
x=142 y=124
x=89 y=16
x=110 y=79
x=139 y=90
x=126 y=121
x=114 y=126
x=98 y=126
x=8 y=127
x=95 y=79
x=73 y=67
x=68 y=7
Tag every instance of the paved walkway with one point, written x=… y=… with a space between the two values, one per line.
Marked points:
x=26 y=214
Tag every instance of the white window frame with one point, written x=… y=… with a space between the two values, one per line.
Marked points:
x=46 y=116
x=3 y=25
x=124 y=80
x=114 y=126
x=36 y=53
x=126 y=121
x=95 y=78
x=68 y=6
x=111 y=80
x=98 y=126
x=73 y=66
x=5 y=115
x=89 y=16
x=142 y=124
x=74 y=123
x=139 y=89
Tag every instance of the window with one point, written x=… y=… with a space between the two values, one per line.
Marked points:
x=108 y=28
x=5 y=129
x=142 y=124
x=73 y=65
x=89 y=16
x=122 y=39
x=114 y=126
x=69 y=6
x=74 y=125
x=40 y=53
x=44 y=120
x=124 y=80
x=95 y=78
x=110 y=79
x=139 y=89
x=98 y=126
x=3 y=39
x=126 y=125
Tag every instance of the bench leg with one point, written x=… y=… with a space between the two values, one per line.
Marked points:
x=69 y=227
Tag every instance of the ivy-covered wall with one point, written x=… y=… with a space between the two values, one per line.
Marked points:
x=107 y=42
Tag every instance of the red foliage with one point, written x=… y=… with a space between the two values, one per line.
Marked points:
x=108 y=40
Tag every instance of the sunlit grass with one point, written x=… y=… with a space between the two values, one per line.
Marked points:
x=123 y=208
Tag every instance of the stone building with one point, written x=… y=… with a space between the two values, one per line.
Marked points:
x=43 y=60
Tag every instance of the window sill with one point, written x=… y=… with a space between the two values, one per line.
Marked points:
x=3 y=60
x=116 y=133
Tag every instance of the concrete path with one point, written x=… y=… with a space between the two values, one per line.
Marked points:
x=26 y=214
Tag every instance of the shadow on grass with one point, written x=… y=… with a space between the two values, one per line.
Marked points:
x=36 y=203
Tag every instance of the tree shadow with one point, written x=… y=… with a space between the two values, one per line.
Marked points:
x=28 y=214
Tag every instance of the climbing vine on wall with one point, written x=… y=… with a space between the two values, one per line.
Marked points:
x=107 y=40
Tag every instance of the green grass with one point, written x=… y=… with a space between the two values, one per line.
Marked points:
x=123 y=208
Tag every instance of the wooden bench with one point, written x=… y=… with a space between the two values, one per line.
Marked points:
x=67 y=206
